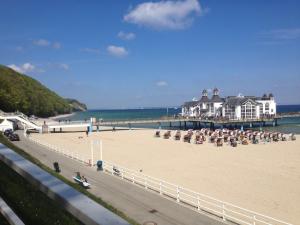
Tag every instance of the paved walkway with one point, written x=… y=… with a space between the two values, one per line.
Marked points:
x=137 y=203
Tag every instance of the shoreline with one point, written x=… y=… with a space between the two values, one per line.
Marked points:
x=61 y=116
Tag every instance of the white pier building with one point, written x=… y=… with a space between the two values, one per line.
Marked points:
x=231 y=107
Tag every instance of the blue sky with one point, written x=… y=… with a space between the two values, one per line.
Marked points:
x=124 y=54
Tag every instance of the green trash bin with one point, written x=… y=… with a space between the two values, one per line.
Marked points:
x=56 y=167
x=99 y=165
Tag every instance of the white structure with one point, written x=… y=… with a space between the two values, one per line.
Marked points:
x=231 y=107
x=6 y=124
x=204 y=106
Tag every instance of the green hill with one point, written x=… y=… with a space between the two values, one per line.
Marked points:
x=19 y=92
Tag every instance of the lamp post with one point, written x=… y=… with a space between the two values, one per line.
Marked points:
x=92 y=152
x=93 y=144
x=100 y=150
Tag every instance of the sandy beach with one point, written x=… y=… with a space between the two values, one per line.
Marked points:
x=264 y=178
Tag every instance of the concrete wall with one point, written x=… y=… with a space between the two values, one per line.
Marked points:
x=6 y=125
x=79 y=205
x=8 y=214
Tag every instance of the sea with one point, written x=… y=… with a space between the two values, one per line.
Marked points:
x=285 y=125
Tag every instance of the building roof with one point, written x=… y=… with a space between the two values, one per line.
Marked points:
x=230 y=100
x=189 y=104
x=204 y=99
x=235 y=101
x=266 y=97
x=216 y=98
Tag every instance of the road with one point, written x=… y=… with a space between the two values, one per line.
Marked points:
x=141 y=205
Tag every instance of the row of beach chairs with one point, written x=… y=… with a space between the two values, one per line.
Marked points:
x=231 y=137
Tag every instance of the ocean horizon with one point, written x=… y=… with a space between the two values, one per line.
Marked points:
x=280 y=108
x=286 y=125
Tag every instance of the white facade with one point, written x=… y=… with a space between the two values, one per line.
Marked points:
x=268 y=107
x=5 y=124
x=233 y=107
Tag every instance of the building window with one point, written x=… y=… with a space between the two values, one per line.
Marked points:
x=248 y=111
x=261 y=111
x=267 y=108
x=230 y=112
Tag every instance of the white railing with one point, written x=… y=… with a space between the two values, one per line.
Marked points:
x=62 y=122
x=197 y=201
x=64 y=152
x=20 y=117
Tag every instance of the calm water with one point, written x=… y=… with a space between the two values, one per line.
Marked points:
x=286 y=125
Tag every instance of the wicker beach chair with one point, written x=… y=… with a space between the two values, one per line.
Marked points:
x=219 y=142
x=187 y=138
x=157 y=134
x=167 y=134
x=198 y=139
x=177 y=135
x=245 y=141
x=233 y=142
x=292 y=137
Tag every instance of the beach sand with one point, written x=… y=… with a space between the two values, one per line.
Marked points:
x=264 y=178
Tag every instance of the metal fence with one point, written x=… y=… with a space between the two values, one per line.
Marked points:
x=64 y=152
x=197 y=201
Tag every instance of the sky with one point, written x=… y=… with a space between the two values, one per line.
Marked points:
x=127 y=54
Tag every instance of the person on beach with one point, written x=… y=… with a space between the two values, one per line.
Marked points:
x=83 y=178
x=78 y=176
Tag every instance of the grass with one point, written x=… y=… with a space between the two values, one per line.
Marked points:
x=3 y=220
x=30 y=204
x=10 y=145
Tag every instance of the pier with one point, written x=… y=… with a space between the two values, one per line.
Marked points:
x=181 y=122
x=195 y=122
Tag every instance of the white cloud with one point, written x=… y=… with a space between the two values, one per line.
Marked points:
x=117 y=51
x=161 y=83
x=56 y=45
x=64 y=66
x=90 y=50
x=165 y=14
x=42 y=42
x=25 y=68
x=282 y=34
x=126 y=36
x=46 y=43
